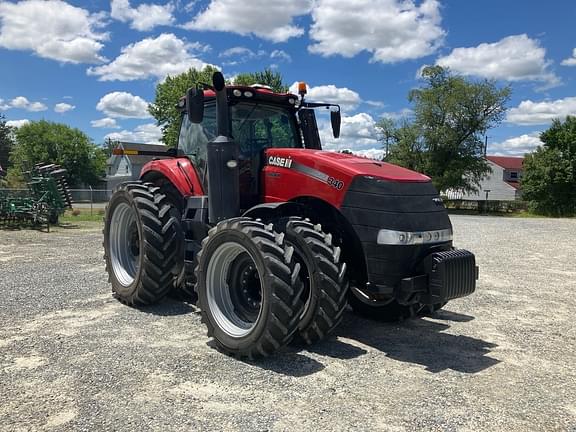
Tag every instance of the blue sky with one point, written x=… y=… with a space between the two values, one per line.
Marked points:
x=94 y=64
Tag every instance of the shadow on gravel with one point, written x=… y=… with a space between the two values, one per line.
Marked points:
x=446 y=315
x=423 y=342
x=336 y=349
x=289 y=363
x=168 y=307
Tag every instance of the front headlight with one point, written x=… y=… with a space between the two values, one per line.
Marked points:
x=399 y=238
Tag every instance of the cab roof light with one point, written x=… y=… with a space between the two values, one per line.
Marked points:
x=302 y=88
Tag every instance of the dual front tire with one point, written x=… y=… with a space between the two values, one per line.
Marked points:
x=305 y=285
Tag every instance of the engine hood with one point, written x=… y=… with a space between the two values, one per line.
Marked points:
x=344 y=164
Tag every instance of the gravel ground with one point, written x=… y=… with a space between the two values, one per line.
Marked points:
x=73 y=358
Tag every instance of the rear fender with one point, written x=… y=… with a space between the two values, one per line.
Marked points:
x=178 y=171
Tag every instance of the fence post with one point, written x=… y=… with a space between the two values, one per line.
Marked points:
x=91 y=201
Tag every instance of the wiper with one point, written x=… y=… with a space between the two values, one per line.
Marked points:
x=248 y=116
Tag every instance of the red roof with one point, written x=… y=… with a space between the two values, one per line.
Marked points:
x=507 y=162
x=515 y=185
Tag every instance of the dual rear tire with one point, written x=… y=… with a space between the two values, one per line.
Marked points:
x=142 y=243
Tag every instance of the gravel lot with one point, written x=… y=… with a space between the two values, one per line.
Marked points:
x=73 y=358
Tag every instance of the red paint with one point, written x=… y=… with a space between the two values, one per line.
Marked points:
x=284 y=184
x=187 y=185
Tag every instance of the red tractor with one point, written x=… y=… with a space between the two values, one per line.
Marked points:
x=272 y=236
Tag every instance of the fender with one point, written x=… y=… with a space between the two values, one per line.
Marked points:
x=179 y=171
x=274 y=210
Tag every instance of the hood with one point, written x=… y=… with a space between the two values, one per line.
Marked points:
x=349 y=165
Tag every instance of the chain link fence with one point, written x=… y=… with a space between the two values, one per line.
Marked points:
x=93 y=199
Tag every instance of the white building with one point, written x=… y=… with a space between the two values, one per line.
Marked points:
x=502 y=184
x=121 y=168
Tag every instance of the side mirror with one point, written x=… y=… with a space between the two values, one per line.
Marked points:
x=195 y=104
x=336 y=120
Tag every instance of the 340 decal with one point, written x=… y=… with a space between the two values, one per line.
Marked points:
x=335 y=183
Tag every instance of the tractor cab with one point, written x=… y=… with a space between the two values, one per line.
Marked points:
x=259 y=119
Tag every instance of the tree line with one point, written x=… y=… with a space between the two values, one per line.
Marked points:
x=443 y=138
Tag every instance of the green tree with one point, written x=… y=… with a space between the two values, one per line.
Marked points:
x=409 y=147
x=168 y=93
x=6 y=142
x=451 y=117
x=267 y=77
x=549 y=178
x=47 y=142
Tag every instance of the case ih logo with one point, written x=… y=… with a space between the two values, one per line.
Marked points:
x=280 y=161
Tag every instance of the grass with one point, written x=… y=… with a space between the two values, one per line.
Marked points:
x=82 y=215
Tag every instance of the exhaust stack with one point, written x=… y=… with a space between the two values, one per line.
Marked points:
x=223 y=152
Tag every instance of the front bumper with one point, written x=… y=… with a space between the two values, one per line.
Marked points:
x=448 y=275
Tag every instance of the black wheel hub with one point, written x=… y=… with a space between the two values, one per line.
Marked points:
x=245 y=288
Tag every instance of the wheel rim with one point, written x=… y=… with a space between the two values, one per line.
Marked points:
x=124 y=244
x=234 y=289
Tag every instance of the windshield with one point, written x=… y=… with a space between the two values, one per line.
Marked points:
x=255 y=127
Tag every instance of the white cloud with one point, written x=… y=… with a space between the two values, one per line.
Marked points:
x=514 y=58
x=63 y=107
x=533 y=113
x=268 y=19
x=516 y=146
x=147 y=133
x=20 y=102
x=357 y=133
x=281 y=55
x=239 y=55
x=123 y=105
x=17 y=123
x=159 y=57
x=373 y=153
x=237 y=51
x=107 y=123
x=346 y=98
x=392 y=30
x=52 y=29
x=375 y=104
x=144 y=17
x=398 y=115
x=570 y=61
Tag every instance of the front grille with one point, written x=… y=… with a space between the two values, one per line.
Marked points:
x=401 y=206
x=371 y=204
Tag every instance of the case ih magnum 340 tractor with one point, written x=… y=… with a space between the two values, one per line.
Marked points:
x=272 y=236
